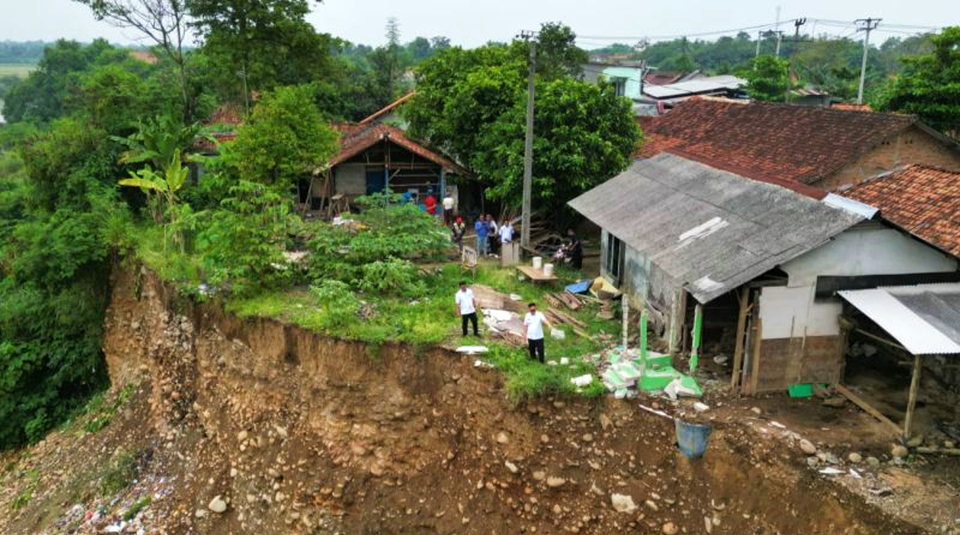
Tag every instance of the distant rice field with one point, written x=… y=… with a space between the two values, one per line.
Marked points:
x=16 y=69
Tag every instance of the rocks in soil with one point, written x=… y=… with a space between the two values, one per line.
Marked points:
x=915 y=441
x=813 y=461
x=755 y=410
x=855 y=458
x=670 y=529
x=623 y=503
x=873 y=462
x=605 y=422
x=899 y=452
x=502 y=438
x=555 y=482
x=539 y=475
x=807 y=447
x=512 y=467
x=218 y=505
x=587 y=437
x=836 y=402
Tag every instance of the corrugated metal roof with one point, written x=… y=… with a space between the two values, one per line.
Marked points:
x=924 y=318
x=857 y=207
x=694 y=87
x=708 y=229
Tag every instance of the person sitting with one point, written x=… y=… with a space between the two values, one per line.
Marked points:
x=431 y=203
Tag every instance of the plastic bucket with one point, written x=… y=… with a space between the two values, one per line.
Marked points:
x=548 y=270
x=537 y=262
x=692 y=438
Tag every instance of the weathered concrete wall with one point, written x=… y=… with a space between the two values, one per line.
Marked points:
x=913 y=146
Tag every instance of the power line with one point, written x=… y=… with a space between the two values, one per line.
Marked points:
x=865 y=25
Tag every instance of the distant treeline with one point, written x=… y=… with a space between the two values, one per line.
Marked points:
x=28 y=52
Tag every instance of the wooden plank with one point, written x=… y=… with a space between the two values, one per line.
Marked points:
x=741 y=333
x=552 y=301
x=912 y=400
x=757 y=341
x=859 y=402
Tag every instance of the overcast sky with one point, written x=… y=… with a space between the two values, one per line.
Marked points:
x=474 y=22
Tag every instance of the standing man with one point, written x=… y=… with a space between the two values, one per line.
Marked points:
x=448 y=204
x=576 y=250
x=533 y=324
x=506 y=233
x=457 y=231
x=482 y=229
x=494 y=235
x=467 y=308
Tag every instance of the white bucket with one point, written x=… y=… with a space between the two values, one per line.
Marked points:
x=537 y=262
x=548 y=270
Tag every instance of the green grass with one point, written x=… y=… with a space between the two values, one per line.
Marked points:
x=428 y=321
x=120 y=473
x=141 y=504
x=431 y=320
x=26 y=496
x=99 y=413
x=21 y=70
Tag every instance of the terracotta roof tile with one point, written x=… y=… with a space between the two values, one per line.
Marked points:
x=799 y=143
x=355 y=138
x=924 y=201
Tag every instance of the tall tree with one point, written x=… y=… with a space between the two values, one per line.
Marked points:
x=767 y=78
x=260 y=44
x=285 y=139
x=162 y=21
x=929 y=85
x=557 y=52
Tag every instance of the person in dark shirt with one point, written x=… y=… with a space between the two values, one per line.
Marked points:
x=575 y=247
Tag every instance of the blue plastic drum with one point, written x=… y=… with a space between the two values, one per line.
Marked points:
x=692 y=438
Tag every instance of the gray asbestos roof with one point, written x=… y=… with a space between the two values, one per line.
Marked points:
x=708 y=229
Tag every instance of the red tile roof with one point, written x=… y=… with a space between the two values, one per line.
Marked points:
x=356 y=138
x=769 y=141
x=924 y=201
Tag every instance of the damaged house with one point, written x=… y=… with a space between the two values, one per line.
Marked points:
x=759 y=260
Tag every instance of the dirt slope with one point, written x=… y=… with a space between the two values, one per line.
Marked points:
x=295 y=433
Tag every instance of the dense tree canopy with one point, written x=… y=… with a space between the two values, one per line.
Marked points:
x=767 y=78
x=929 y=85
x=472 y=103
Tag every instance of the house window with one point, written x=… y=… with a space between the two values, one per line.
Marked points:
x=613 y=259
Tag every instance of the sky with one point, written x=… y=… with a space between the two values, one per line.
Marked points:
x=474 y=22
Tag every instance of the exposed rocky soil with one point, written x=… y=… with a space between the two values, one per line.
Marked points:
x=257 y=427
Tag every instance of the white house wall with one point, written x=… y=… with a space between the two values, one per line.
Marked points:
x=868 y=249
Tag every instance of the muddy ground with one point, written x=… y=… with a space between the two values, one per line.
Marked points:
x=257 y=427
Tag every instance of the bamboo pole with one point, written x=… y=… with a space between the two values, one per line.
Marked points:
x=697 y=332
x=912 y=400
x=744 y=297
x=755 y=370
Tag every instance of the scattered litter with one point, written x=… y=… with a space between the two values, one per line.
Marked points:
x=557 y=334
x=855 y=474
x=515 y=297
x=701 y=407
x=472 y=350
x=481 y=364
x=564 y=361
x=777 y=425
x=676 y=389
x=655 y=411
x=582 y=380
x=721 y=359
x=831 y=471
x=551 y=363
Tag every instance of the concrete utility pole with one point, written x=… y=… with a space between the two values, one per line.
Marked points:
x=531 y=38
x=779 y=33
x=865 y=25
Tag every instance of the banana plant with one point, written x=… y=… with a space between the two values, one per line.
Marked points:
x=165 y=185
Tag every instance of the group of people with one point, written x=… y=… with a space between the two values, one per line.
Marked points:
x=533 y=322
x=490 y=236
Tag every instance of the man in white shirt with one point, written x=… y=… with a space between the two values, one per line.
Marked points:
x=448 y=204
x=533 y=324
x=467 y=308
x=506 y=233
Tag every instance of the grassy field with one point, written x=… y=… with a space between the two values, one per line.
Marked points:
x=16 y=69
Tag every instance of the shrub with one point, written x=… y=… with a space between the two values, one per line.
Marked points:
x=338 y=303
x=393 y=277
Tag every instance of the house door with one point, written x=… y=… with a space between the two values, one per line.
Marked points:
x=376 y=181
